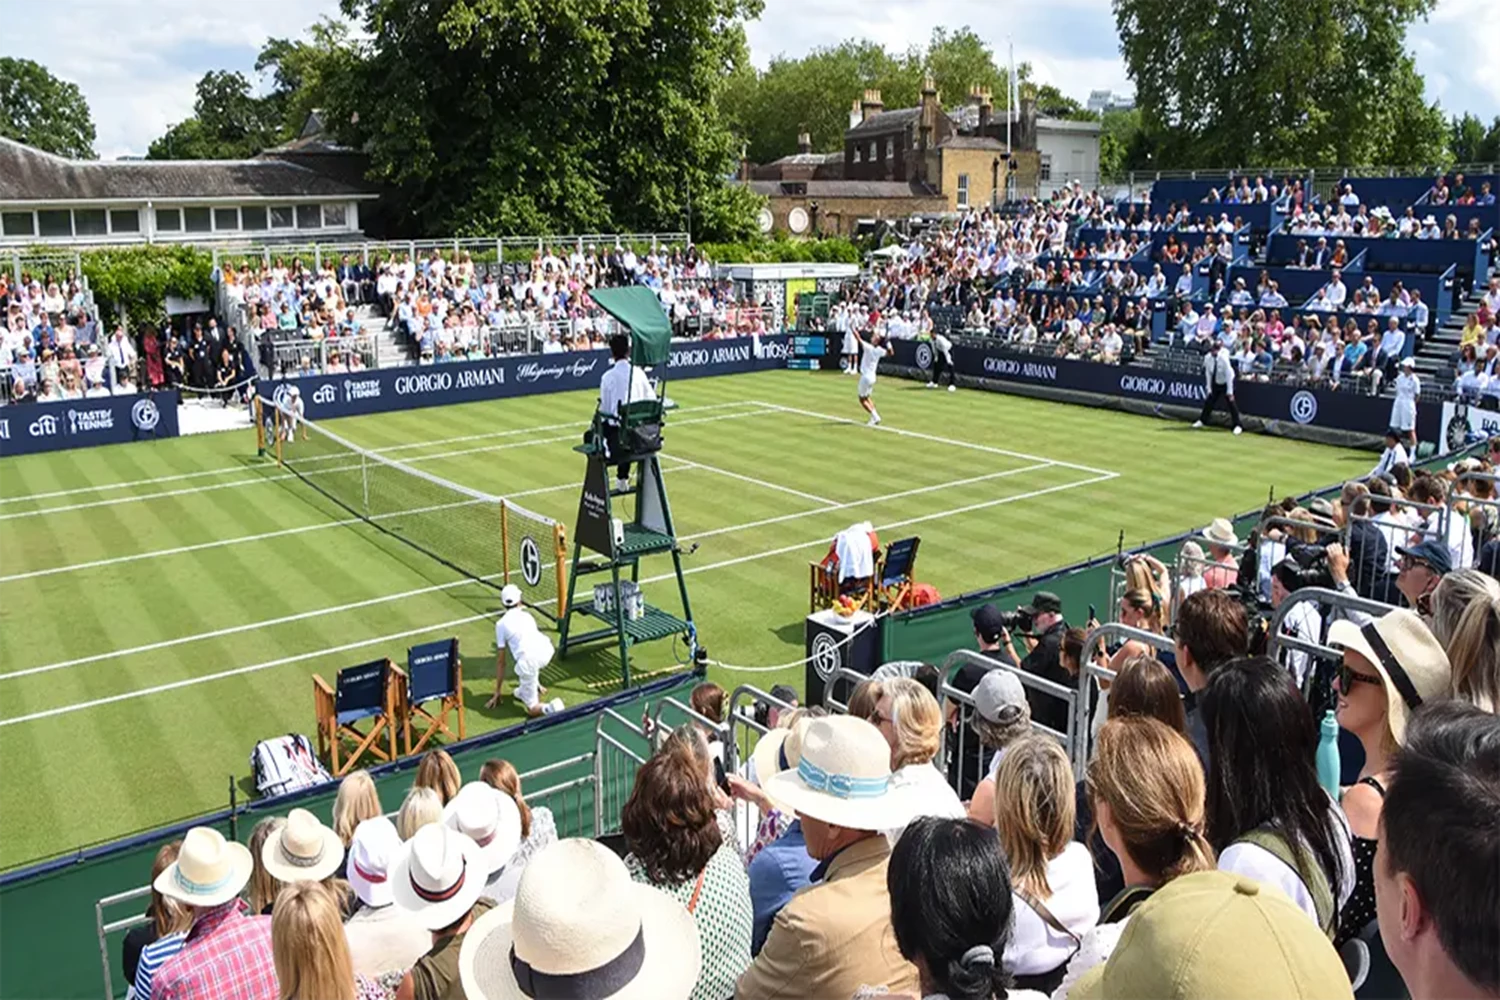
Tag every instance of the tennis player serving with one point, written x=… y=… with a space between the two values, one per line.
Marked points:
x=516 y=633
x=870 y=353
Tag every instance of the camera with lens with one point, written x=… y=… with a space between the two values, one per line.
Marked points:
x=1018 y=620
x=1305 y=566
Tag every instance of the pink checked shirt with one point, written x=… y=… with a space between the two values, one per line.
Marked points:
x=227 y=956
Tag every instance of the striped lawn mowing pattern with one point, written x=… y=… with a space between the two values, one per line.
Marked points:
x=163 y=604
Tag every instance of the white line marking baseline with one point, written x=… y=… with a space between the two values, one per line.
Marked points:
x=453 y=623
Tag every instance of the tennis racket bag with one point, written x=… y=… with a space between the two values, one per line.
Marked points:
x=285 y=764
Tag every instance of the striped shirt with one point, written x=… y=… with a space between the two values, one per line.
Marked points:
x=153 y=957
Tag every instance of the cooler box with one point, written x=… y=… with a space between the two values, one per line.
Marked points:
x=827 y=651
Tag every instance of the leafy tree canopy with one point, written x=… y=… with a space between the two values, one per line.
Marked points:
x=42 y=111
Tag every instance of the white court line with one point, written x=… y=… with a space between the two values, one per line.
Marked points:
x=941 y=440
x=45 y=668
x=690 y=464
x=226 y=470
x=385 y=639
x=545 y=427
x=259 y=480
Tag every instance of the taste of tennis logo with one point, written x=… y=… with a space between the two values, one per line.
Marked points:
x=1304 y=407
x=825 y=655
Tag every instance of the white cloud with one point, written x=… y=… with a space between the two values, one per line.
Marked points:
x=137 y=60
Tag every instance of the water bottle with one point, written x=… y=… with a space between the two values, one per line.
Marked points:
x=1328 y=755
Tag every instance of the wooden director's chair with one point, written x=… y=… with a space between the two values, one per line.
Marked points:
x=364 y=695
x=434 y=673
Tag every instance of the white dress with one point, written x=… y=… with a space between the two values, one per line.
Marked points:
x=1404 y=409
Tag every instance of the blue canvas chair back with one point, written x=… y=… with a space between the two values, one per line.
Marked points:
x=900 y=556
x=360 y=693
x=429 y=671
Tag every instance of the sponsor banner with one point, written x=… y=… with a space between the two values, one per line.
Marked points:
x=1462 y=425
x=378 y=390
x=1319 y=407
x=80 y=423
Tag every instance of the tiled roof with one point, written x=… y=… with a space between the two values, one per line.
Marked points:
x=886 y=121
x=28 y=174
x=849 y=189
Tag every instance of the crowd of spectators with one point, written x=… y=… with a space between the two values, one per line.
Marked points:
x=52 y=347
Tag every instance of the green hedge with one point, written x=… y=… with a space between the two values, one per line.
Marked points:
x=833 y=250
x=139 y=279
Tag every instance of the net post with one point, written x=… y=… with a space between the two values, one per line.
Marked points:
x=560 y=543
x=260 y=427
x=276 y=429
x=504 y=542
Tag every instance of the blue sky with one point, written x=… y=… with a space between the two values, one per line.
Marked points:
x=137 y=60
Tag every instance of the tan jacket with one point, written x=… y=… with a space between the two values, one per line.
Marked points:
x=834 y=936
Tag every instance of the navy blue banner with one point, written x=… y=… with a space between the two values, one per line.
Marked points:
x=377 y=390
x=1319 y=407
x=27 y=428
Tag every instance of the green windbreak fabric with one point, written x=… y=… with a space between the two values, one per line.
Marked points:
x=637 y=308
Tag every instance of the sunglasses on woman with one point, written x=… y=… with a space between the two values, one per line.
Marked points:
x=1348 y=677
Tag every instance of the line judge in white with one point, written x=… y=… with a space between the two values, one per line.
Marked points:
x=517 y=633
x=1218 y=376
x=622 y=383
x=1404 y=409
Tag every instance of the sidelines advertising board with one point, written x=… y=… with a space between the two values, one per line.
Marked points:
x=1462 y=425
x=407 y=387
x=81 y=423
x=1319 y=407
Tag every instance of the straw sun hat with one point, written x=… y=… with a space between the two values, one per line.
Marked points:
x=209 y=870
x=843 y=777
x=302 y=850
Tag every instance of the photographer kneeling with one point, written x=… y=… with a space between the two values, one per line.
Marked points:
x=1041 y=626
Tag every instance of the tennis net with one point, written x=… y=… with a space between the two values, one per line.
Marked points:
x=477 y=534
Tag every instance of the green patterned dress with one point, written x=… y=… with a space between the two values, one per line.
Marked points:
x=723 y=915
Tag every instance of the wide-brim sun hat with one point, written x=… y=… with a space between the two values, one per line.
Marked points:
x=843 y=777
x=490 y=818
x=302 y=850
x=373 y=851
x=209 y=870
x=1410 y=661
x=1220 y=532
x=579 y=926
x=439 y=876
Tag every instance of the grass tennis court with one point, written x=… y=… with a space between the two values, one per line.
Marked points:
x=162 y=605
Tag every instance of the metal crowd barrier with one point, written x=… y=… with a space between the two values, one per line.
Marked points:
x=740 y=746
x=1331 y=600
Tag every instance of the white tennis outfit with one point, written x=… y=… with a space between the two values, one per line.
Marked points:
x=530 y=651
x=1404 y=409
x=869 y=365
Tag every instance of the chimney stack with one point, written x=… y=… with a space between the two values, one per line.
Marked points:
x=804 y=143
x=744 y=162
x=927 y=120
x=871 y=105
x=986 y=110
x=855 y=114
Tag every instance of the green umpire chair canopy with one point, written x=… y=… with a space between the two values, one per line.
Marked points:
x=638 y=309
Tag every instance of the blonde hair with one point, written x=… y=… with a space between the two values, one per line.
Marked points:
x=916 y=720
x=1147 y=600
x=1453 y=595
x=1034 y=810
x=167 y=915
x=501 y=774
x=421 y=806
x=438 y=772
x=1474 y=652
x=308 y=945
x=1149 y=776
x=262 y=887
x=864 y=698
x=1306 y=535
x=357 y=801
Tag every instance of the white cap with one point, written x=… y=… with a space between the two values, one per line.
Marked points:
x=510 y=595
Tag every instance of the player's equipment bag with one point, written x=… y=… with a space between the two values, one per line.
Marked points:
x=285 y=764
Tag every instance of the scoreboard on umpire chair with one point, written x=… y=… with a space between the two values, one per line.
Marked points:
x=834 y=641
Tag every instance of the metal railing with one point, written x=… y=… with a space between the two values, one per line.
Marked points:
x=1080 y=748
x=310 y=356
x=362 y=250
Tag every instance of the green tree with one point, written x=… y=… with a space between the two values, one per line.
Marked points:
x=508 y=116
x=1279 y=82
x=310 y=74
x=229 y=122
x=1471 y=142
x=42 y=111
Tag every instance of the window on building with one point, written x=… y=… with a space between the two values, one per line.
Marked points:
x=169 y=220
x=54 y=222
x=90 y=222
x=890 y=149
x=874 y=151
x=253 y=217
x=963 y=190
x=18 y=224
x=856 y=154
x=1045 y=173
x=283 y=217
x=309 y=216
x=226 y=219
x=335 y=216
x=124 y=220
x=198 y=220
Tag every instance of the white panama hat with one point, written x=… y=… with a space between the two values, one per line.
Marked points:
x=302 y=849
x=372 y=851
x=488 y=817
x=580 y=927
x=843 y=777
x=439 y=877
x=209 y=870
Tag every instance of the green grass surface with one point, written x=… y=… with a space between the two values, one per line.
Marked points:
x=163 y=605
